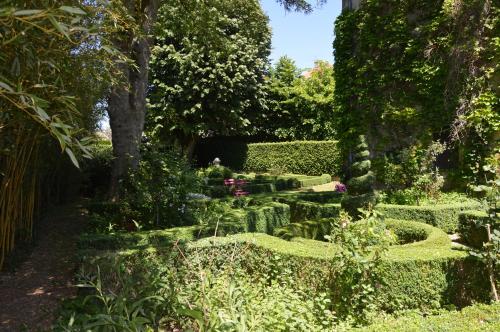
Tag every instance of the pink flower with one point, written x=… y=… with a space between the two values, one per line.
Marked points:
x=229 y=182
x=340 y=188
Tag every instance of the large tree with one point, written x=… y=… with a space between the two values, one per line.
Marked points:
x=299 y=106
x=207 y=68
x=127 y=101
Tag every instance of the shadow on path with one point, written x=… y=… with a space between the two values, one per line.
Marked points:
x=30 y=296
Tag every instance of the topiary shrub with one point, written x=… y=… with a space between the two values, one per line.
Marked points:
x=471 y=229
x=360 y=192
x=218 y=172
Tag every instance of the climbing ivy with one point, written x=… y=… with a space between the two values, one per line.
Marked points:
x=409 y=71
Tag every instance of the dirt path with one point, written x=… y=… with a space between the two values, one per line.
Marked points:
x=30 y=296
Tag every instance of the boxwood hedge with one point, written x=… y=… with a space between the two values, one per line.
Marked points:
x=299 y=157
x=424 y=275
x=471 y=229
x=443 y=216
x=478 y=317
x=261 y=219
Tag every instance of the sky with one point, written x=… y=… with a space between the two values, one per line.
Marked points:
x=302 y=37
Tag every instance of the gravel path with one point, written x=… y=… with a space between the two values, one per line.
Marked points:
x=30 y=296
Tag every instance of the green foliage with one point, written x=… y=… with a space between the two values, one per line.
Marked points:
x=46 y=109
x=477 y=318
x=235 y=303
x=218 y=172
x=309 y=210
x=157 y=193
x=207 y=68
x=422 y=275
x=360 y=192
x=406 y=71
x=300 y=107
x=444 y=216
x=285 y=72
x=471 y=227
x=489 y=252
x=38 y=88
x=300 y=5
x=299 y=157
x=425 y=274
x=407 y=232
x=411 y=176
x=127 y=296
x=212 y=218
x=361 y=247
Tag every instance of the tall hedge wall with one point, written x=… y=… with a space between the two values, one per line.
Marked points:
x=298 y=157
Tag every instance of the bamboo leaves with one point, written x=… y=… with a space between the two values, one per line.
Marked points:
x=52 y=72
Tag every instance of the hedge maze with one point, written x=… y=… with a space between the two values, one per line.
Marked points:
x=285 y=231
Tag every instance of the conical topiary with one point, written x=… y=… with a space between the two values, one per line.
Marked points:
x=360 y=192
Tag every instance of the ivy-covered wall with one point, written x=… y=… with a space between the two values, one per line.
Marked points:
x=417 y=70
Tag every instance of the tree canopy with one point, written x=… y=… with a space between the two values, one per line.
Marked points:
x=299 y=106
x=207 y=68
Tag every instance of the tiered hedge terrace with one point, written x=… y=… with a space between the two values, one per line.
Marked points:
x=425 y=274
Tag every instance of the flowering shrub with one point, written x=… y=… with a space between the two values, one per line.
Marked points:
x=340 y=188
x=236 y=186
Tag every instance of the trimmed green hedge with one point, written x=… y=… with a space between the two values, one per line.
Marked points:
x=407 y=232
x=259 y=219
x=266 y=183
x=470 y=229
x=299 y=157
x=302 y=210
x=423 y=275
x=478 y=317
x=443 y=216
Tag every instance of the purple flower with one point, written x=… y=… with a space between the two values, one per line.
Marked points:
x=340 y=188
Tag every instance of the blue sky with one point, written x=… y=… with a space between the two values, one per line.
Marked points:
x=304 y=38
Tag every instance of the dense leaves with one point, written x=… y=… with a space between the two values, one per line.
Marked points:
x=45 y=106
x=299 y=106
x=415 y=70
x=207 y=68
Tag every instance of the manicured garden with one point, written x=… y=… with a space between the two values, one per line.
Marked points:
x=267 y=250
x=233 y=194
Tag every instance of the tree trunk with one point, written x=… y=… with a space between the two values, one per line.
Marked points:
x=190 y=147
x=127 y=101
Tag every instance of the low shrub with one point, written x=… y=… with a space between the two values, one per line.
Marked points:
x=443 y=216
x=471 y=229
x=407 y=232
x=301 y=210
x=263 y=218
x=218 y=172
x=263 y=183
x=424 y=275
x=259 y=188
x=478 y=317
